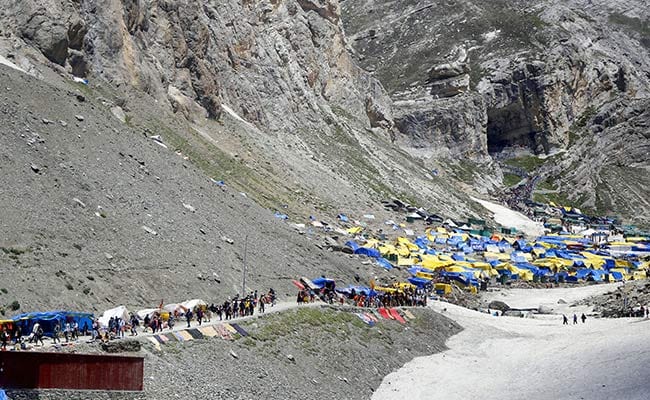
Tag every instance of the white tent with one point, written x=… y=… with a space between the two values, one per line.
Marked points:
x=190 y=304
x=175 y=308
x=147 y=311
x=120 y=312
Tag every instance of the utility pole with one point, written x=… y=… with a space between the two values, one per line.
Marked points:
x=243 y=284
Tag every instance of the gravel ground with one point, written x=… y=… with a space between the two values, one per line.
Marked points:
x=96 y=214
x=325 y=351
x=622 y=301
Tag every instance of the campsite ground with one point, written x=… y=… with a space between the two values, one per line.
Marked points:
x=531 y=358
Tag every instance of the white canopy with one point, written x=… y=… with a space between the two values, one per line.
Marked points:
x=147 y=311
x=190 y=304
x=175 y=308
x=119 y=312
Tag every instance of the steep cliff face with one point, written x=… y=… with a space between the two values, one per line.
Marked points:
x=263 y=58
x=538 y=67
x=474 y=79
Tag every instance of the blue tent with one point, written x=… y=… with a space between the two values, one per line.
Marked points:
x=617 y=276
x=367 y=251
x=321 y=282
x=47 y=320
x=421 y=242
x=384 y=263
x=419 y=282
x=352 y=244
x=414 y=270
x=357 y=289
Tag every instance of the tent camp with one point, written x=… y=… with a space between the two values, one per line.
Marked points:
x=117 y=312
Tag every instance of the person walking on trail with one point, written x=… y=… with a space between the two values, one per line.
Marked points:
x=56 y=333
x=67 y=331
x=188 y=317
x=4 y=338
x=583 y=317
x=39 y=335
x=575 y=319
x=565 y=320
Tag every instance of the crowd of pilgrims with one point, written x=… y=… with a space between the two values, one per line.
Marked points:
x=233 y=308
x=404 y=297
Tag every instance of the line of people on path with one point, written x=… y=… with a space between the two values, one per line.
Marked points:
x=159 y=320
x=565 y=319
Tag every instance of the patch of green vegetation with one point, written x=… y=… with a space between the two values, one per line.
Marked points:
x=69 y=286
x=546 y=184
x=559 y=198
x=527 y=163
x=342 y=113
x=464 y=171
x=14 y=250
x=215 y=163
x=511 y=179
x=4 y=290
x=285 y=324
x=586 y=115
x=14 y=306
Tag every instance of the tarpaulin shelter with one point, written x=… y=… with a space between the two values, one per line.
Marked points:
x=322 y=282
x=382 y=262
x=419 y=282
x=48 y=319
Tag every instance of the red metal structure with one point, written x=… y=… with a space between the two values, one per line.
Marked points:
x=33 y=370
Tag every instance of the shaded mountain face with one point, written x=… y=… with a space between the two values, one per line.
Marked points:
x=261 y=95
x=478 y=79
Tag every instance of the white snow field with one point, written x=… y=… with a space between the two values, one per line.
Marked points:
x=538 y=358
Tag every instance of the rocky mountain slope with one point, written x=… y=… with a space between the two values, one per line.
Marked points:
x=308 y=107
x=473 y=79
x=262 y=96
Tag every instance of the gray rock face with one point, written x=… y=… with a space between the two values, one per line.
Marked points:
x=543 y=71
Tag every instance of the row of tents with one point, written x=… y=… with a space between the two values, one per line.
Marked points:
x=467 y=259
x=47 y=320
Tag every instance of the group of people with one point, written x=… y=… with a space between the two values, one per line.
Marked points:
x=394 y=298
x=159 y=320
x=14 y=335
x=565 y=319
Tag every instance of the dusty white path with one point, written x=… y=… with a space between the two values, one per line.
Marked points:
x=524 y=358
x=512 y=219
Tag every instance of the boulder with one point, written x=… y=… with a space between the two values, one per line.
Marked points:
x=122 y=346
x=498 y=305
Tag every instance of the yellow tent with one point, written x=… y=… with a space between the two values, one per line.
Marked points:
x=442 y=288
x=354 y=230
x=433 y=262
x=404 y=261
x=407 y=243
x=424 y=275
x=404 y=285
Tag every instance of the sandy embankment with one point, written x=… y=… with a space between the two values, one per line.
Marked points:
x=531 y=358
